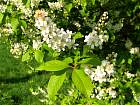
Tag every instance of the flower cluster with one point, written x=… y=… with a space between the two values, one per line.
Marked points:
x=18 y=48
x=35 y=3
x=135 y=50
x=41 y=92
x=7 y=29
x=98 y=35
x=20 y=6
x=102 y=93
x=57 y=39
x=37 y=44
x=103 y=74
x=129 y=75
x=3 y=8
x=55 y=5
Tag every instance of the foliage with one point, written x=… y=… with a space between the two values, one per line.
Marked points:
x=87 y=51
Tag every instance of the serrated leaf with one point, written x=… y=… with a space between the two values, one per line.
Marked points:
x=82 y=82
x=1 y=17
x=54 y=65
x=39 y=56
x=78 y=35
x=25 y=56
x=55 y=84
x=14 y=24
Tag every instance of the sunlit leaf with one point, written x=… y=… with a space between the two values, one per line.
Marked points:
x=54 y=65
x=25 y=56
x=39 y=56
x=1 y=17
x=55 y=84
x=82 y=82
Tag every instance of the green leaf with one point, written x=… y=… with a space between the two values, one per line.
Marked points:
x=54 y=65
x=14 y=24
x=1 y=17
x=136 y=91
x=28 y=3
x=94 y=60
x=69 y=7
x=23 y=23
x=84 y=3
x=25 y=56
x=68 y=60
x=130 y=61
x=78 y=35
x=86 y=50
x=82 y=82
x=93 y=2
x=39 y=56
x=55 y=84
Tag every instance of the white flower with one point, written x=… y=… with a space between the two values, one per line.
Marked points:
x=112 y=92
x=57 y=39
x=55 y=5
x=36 y=44
x=129 y=75
x=101 y=94
x=2 y=8
x=109 y=68
x=20 y=6
x=18 y=48
x=135 y=50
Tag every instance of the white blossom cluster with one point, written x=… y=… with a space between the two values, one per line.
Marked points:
x=20 y=6
x=98 y=35
x=129 y=75
x=42 y=92
x=102 y=74
x=2 y=8
x=18 y=48
x=55 y=5
x=35 y=3
x=57 y=39
x=37 y=44
x=102 y=93
x=7 y=29
x=135 y=50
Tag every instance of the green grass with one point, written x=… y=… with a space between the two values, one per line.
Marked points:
x=15 y=81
